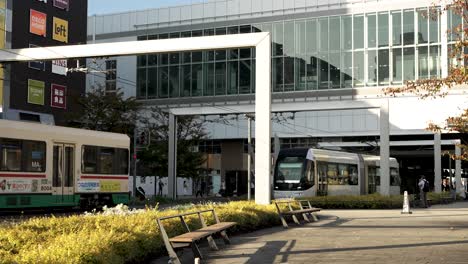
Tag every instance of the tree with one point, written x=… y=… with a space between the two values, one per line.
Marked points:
x=457 y=75
x=108 y=112
x=153 y=160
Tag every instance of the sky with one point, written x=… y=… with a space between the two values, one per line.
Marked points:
x=113 y=6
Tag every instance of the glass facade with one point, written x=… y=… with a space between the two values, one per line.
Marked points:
x=336 y=52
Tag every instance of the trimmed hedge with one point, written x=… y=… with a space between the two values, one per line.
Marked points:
x=130 y=238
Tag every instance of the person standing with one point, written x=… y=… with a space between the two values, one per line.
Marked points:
x=185 y=187
x=423 y=190
x=203 y=188
x=161 y=185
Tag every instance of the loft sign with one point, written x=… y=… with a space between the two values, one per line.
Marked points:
x=60 y=30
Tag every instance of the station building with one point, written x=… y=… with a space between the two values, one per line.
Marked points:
x=324 y=52
x=39 y=91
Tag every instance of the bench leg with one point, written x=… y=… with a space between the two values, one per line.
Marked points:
x=196 y=251
x=306 y=218
x=296 y=220
x=225 y=237
x=314 y=217
x=173 y=258
x=283 y=221
x=212 y=243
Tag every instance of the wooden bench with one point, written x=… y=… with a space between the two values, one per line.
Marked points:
x=192 y=237
x=305 y=210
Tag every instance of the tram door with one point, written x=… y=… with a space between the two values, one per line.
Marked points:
x=322 y=183
x=64 y=172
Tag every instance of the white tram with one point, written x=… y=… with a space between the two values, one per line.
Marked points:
x=314 y=172
x=51 y=166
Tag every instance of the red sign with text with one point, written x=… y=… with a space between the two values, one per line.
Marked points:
x=58 y=96
x=37 y=22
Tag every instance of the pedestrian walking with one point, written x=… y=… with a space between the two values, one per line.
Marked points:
x=185 y=188
x=161 y=185
x=423 y=190
x=203 y=188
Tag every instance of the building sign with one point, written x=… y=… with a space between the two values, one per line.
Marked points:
x=45 y=1
x=58 y=96
x=38 y=65
x=36 y=92
x=60 y=30
x=63 y=4
x=110 y=186
x=37 y=22
x=88 y=186
x=59 y=67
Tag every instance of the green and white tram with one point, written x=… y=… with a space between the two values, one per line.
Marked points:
x=314 y=172
x=51 y=166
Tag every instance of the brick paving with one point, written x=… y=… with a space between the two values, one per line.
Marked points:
x=435 y=235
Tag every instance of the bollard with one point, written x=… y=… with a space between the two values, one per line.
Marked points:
x=406 y=205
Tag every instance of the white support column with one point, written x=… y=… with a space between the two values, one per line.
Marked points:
x=437 y=163
x=384 y=149
x=458 y=185
x=263 y=122
x=172 y=158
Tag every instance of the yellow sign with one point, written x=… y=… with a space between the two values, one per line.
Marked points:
x=110 y=186
x=60 y=30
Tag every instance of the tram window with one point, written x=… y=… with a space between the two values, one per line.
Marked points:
x=105 y=160
x=22 y=155
x=90 y=159
x=342 y=174
x=106 y=156
x=394 y=177
x=11 y=155
x=34 y=156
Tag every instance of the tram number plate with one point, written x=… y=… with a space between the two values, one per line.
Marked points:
x=46 y=188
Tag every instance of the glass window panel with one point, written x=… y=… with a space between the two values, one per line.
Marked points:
x=174 y=58
x=142 y=37
x=142 y=59
x=186 y=80
x=186 y=57
x=323 y=73
x=220 y=55
x=397 y=66
x=335 y=34
x=233 y=77
x=278 y=39
x=152 y=82
x=11 y=155
x=197 y=33
x=323 y=40
x=408 y=27
x=174 y=81
x=152 y=60
x=152 y=37
x=221 y=31
x=89 y=159
x=174 y=35
x=434 y=29
x=186 y=34
x=289 y=38
x=245 y=53
x=197 y=79
x=209 y=79
x=300 y=73
x=220 y=78
x=312 y=73
x=122 y=166
x=396 y=28
x=347 y=70
x=359 y=68
x=141 y=83
x=423 y=66
x=197 y=56
x=384 y=67
x=105 y=160
x=335 y=60
x=245 y=29
x=163 y=80
x=233 y=54
x=246 y=70
x=409 y=64
x=434 y=61
x=300 y=38
x=277 y=74
x=163 y=36
x=252 y=75
x=163 y=59
x=347 y=32
x=423 y=34
x=311 y=36
x=358 y=29
x=454 y=21
x=34 y=156
x=208 y=32
x=288 y=74
x=371 y=31
x=383 y=29
x=233 y=30
x=371 y=67
x=256 y=28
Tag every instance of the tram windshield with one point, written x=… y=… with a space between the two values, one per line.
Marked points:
x=294 y=173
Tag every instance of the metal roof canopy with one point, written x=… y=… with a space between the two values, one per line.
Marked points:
x=263 y=107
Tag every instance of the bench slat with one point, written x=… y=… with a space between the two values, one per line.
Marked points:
x=201 y=233
x=301 y=211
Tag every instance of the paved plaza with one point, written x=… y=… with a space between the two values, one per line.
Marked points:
x=435 y=235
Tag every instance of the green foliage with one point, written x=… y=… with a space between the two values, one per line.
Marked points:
x=131 y=238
